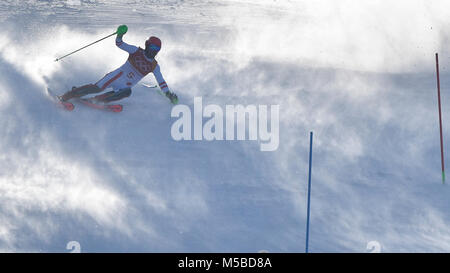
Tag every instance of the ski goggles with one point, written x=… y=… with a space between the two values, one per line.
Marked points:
x=154 y=47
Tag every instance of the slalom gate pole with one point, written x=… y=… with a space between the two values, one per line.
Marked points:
x=57 y=59
x=440 y=118
x=309 y=191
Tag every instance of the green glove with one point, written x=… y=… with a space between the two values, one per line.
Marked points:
x=121 y=30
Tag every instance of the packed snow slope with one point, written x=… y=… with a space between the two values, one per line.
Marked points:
x=361 y=76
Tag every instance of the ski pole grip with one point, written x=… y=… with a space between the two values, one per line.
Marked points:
x=121 y=30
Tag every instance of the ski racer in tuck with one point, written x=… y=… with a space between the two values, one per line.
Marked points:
x=140 y=63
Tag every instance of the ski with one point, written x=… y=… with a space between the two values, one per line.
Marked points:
x=55 y=98
x=150 y=86
x=154 y=87
x=107 y=107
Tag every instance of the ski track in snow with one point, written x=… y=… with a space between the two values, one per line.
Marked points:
x=118 y=182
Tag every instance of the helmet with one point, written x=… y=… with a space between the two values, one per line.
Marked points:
x=152 y=46
x=154 y=43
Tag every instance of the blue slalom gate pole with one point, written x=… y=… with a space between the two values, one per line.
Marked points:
x=309 y=190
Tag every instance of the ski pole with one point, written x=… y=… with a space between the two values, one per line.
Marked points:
x=440 y=118
x=57 y=59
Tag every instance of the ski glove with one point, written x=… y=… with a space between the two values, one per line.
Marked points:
x=121 y=30
x=172 y=97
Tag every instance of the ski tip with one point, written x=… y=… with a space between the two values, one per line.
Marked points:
x=116 y=108
x=69 y=106
x=64 y=104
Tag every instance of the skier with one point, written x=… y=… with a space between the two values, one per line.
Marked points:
x=140 y=63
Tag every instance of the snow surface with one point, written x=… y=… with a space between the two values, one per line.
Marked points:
x=361 y=76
